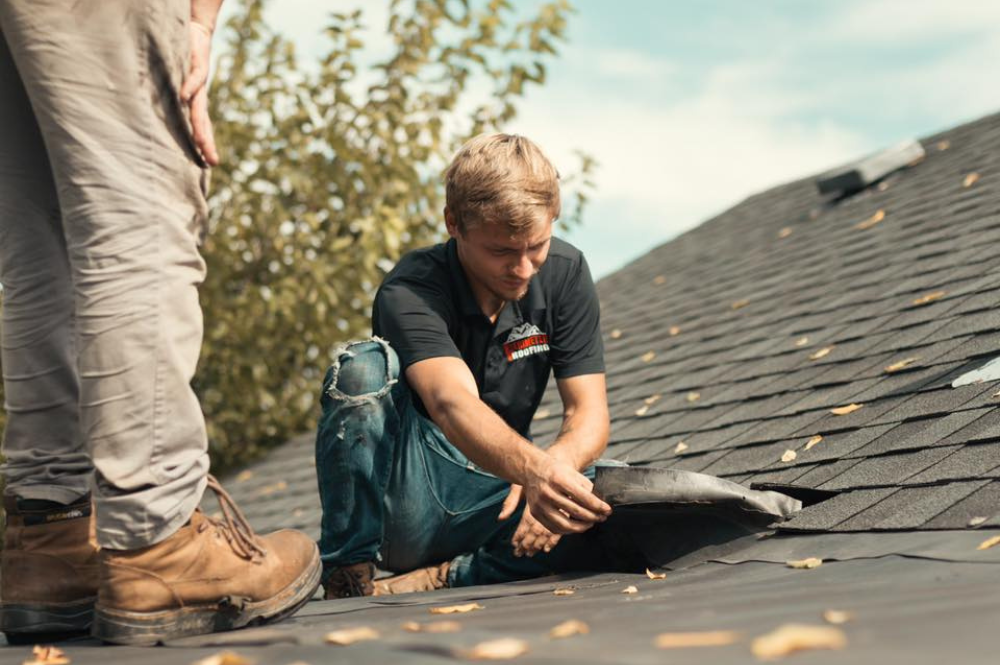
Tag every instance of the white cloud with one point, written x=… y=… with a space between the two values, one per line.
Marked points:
x=628 y=64
x=879 y=21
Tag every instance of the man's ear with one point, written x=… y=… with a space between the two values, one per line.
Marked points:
x=449 y=222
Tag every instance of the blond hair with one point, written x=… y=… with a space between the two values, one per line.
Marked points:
x=501 y=178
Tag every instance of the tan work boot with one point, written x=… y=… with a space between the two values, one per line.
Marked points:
x=48 y=569
x=209 y=576
x=421 y=579
x=350 y=581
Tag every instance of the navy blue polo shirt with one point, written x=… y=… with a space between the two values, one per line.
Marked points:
x=425 y=308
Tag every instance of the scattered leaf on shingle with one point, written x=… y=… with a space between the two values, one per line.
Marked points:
x=801 y=341
x=844 y=410
x=642 y=410
x=821 y=353
x=505 y=648
x=805 y=564
x=813 y=441
x=267 y=490
x=659 y=279
x=456 y=609
x=740 y=304
x=989 y=542
x=789 y=456
x=674 y=331
x=648 y=356
x=655 y=576
x=47 y=655
x=871 y=221
x=693 y=396
x=432 y=627
x=976 y=521
x=882 y=186
x=902 y=364
x=837 y=617
x=244 y=476
x=680 y=447
x=785 y=232
x=930 y=297
x=970 y=180
x=541 y=414
x=630 y=589
x=348 y=636
x=796 y=637
x=569 y=629
x=709 y=638
x=563 y=592
x=224 y=658
x=652 y=399
x=616 y=333
x=943 y=145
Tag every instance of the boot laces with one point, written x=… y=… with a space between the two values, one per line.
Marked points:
x=234 y=524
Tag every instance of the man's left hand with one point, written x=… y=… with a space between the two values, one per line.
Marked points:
x=194 y=92
x=531 y=536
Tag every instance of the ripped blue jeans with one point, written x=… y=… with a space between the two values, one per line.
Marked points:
x=396 y=492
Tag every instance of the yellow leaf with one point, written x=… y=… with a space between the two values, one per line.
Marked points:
x=740 y=304
x=693 y=396
x=813 y=441
x=659 y=279
x=505 y=648
x=902 y=364
x=348 y=636
x=680 y=447
x=837 y=617
x=822 y=353
x=244 y=476
x=970 y=180
x=267 y=490
x=432 y=627
x=805 y=564
x=976 y=521
x=844 y=410
x=569 y=629
x=988 y=543
x=47 y=655
x=789 y=456
x=541 y=414
x=871 y=221
x=629 y=590
x=801 y=341
x=930 y=297
x=943 y=145
x=648 y=356
x=710 y=638
x=785 y=232
x=457 y=609
x=642 y=410
x=655 y=576
x=563 y=592
x=615 y=334
x=796 y=637
x=224 y=658
x=652 y=399
x=674 y=331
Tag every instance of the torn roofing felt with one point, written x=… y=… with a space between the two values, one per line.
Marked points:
x=729 y=346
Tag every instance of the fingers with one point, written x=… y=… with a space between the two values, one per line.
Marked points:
x=531 y=537
x=580 y=491
x=201 y=127
x=510 y=503
x=195 y=80
x=197 y=74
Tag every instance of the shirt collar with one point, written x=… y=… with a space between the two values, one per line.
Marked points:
x=534 y=300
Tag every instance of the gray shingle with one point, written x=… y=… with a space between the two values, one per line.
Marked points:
x=966 y=463
x=833 y=511
x=887 y=470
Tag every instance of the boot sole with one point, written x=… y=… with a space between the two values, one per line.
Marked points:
x=150 y=628
x=30 y=622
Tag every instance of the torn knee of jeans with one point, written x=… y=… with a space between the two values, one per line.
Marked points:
x=364 y=371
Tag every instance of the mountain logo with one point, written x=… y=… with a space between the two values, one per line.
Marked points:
x=525 y=340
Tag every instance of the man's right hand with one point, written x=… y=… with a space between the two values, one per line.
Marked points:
x=562 y=498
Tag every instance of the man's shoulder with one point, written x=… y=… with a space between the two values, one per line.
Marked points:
x=419 y=265
x=563 y=262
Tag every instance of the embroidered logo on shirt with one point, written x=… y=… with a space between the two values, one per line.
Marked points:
x=525 y=340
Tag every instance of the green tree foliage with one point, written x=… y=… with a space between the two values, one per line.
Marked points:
x=330 y=173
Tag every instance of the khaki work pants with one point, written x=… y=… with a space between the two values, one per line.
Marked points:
x=101 y=211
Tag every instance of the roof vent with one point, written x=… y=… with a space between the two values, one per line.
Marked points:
x=988 y=372
x=858 y=175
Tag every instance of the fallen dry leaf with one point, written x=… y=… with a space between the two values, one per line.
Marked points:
x=432 y=627
x=801 y=341
x=674 y=331
x=348 y=636
x=805 y=564
x=813 y=441
x=680 y=447
x=797 y=637
x=615 y=334
x=267 y=490
x=693 y=396
x=47 y=655
x=882 y=186
x=652 y=399
x=789 y=456
x=976 y=521
x=244 y=476
x=563 y=592
x=930 y=297
x=642 y=410
x=837 y=617
x=659 y=279
x=456 y=609
x=943 y=145
x=902 y=364
x=822 y=353
x=541 y=414
x=505 y=648
x=710 y=638
x=970 y=180
x=630 y=589
x=871 y=221
x=740 y=304
x=569 y=629
x=785 y=232
x=655 y=576
x=648 y=356
x=988 y=543
x=844 y=410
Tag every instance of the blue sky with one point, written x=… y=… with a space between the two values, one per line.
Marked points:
x=691 y=106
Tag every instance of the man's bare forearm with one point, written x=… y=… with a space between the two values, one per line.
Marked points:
x=583 y=437
x=205 y=12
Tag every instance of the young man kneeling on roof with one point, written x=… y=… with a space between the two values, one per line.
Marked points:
x=424 y=455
